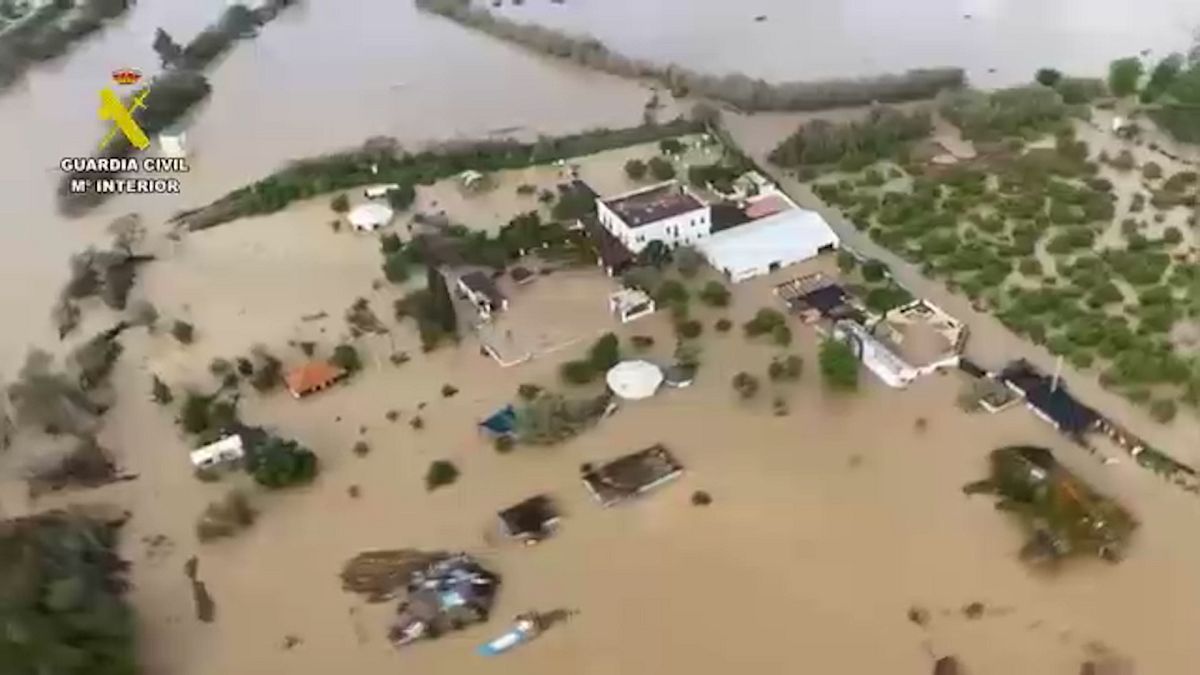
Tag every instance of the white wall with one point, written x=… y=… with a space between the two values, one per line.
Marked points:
x=686 y=228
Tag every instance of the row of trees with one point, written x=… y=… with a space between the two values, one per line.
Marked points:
x=49 y=31
x=736 y=89
x=1172 y=90
x=1018 y=111
x=382 y=160
x=884 y=133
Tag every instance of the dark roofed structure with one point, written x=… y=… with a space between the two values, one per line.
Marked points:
x=482 y=285
x=654 y=204
x=1054 y=404
x=631 y=475
x=531 y=520
x=614 y=256
x=726 y=215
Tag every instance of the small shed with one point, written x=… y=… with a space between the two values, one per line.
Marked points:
x=225 y=451
x=312 y=377
x=630 y=304
x=379 y=191
x=530 y=521
x=370 y=217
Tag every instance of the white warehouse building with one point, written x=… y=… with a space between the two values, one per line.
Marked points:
x=666 y=212
x=763 y=246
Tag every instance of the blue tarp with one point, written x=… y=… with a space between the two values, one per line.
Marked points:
x=502 y=422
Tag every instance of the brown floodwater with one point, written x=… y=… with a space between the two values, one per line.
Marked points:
x=321 y=77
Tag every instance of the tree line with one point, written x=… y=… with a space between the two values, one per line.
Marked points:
x=1171 y=90
x=736 y=89
x=381 y=160
x=49 y=31
x=175 y=91
x=882 y=134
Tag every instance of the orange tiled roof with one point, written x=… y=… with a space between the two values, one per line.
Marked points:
x=312 y=376
x=767 y=206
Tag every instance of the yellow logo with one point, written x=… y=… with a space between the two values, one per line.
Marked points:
x=111 y=108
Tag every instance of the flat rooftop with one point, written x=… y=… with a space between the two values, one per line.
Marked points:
x=654 y=204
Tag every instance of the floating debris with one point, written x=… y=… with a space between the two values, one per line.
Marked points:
x=380 y=575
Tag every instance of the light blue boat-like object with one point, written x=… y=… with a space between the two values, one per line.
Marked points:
x=521 y=632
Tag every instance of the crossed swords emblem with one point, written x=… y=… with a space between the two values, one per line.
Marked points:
x=111 y=108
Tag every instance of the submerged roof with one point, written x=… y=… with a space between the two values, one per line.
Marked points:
x=482 y=284
x=312 y=376
x=632 y=474
x=1065 y=410
x=531 y=517
x=653 y=204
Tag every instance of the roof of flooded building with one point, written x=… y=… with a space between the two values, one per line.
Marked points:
x=482 y=284
x=654 y=204
x=312 y=376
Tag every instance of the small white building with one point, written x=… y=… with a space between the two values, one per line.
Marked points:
x=380 y=191
x=762 y=246
x=665 y=212
x=225 y=451
x=875 y=355
x=370 y=217
x=630 y=304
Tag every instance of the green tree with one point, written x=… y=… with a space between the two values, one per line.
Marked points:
x=1047 y=77
x=1123 y=76
x=578 y=371
x=846 y=262
x=279 y=463
x=656 y=255
x=168 y=50
x=689 y=261
x=873 y=270
x=605 y=352
x=746 y=385
x=441 y=305
x=440 y=473
x=635 y=169
x=839 y=365
x=661 y=169
x=345 y=356
x=395 y=268
x=390 y=243
x=714 y=294
x=786 y=369
x=183 y=331
x=340 y=203
x=670 y=146
x=402 y=197
x=160 y=392
x=1162 y=77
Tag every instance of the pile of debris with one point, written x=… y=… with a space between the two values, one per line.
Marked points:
x=381 y=575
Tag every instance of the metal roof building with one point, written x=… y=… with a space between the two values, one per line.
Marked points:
x=765 y=245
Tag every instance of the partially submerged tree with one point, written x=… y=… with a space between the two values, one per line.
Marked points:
x=278 y=463
x=839 y=365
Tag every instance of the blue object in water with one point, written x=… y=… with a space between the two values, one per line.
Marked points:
x=502 y=422
x=503 y=643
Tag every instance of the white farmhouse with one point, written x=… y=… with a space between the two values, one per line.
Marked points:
x=666 y=212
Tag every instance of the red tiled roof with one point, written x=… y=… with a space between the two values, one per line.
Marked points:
x=312 y=376
x=767 y=206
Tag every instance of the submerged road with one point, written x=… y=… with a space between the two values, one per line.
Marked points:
x=991 y=344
